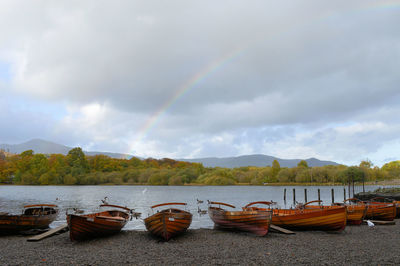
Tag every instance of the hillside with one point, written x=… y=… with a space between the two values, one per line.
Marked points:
x=255 y=160
x=47 y=147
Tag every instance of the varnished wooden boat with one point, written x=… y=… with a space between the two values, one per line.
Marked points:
x=356 y=211
x=385 y=211
x=37 y=216
x=250 y=220
x=98 y=224
x=309 y=217
x=168 y=223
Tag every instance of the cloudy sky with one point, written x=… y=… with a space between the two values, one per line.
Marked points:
x=190 y=79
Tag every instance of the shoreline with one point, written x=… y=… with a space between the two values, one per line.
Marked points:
x=356 y=245
x=395 y=182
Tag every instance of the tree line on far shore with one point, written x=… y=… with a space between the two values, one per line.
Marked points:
x=75 y=168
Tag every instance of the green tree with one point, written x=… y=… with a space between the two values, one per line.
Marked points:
x=77 y=161
x=39 y=165
x=366 y=164
x=302 y=164
x=392 y=169
x=27 y=153
x=275 y=168
x=70 y=180
x=284 y=175
x=58 y=168
x=176 y=181
x=351 y=174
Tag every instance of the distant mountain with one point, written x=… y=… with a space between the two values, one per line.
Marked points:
x=254 y=160
x=47 y=147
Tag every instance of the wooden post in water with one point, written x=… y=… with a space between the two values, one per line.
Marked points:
x=349 y=189
x=294 y=196
x=284 y=195
x=363 y=185
x=344 y=194
x=319 y=196
x=333 y=195
x=305 y=195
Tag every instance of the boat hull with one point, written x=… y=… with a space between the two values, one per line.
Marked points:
x=254 y=221
x=168 y=223
x=356 y=214
x=33 y=218
x=82 y=227
x=18 y=223
x=332 y=218
x=381 y=211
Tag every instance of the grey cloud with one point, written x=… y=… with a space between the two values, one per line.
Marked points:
x=300 y=64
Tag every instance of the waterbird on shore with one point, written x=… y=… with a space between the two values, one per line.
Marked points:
x=199 y=201
x=200 y=211
x=370 y=224
x=78 y=211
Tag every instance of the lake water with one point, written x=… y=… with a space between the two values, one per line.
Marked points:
x=88 y=198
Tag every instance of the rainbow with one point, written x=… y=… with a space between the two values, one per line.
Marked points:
x=217 y=64
x=189 y=84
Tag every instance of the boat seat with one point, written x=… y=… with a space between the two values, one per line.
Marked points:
x=111 y=217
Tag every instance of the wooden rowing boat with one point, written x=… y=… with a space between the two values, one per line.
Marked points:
x=250 y=220
x=384 y=211
x=98 y=224
x=168 y=223
x=309 y=217
x=37 y=216
x=356 y=211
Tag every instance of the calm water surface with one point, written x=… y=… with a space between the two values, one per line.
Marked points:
x=88 y=198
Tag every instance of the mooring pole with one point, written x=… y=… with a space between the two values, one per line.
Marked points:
x=305 y=195
x=294 y=196
x=333 y=195
x=344 y=194
x=284 y=195
x=349 y=189
x=319 y=195
x=363 y=186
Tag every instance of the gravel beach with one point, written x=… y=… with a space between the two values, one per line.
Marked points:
x=356 y=245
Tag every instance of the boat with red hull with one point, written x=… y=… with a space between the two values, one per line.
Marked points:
x=37 y=216
x=254 y=221
x=169 y=222
x=98 y=224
